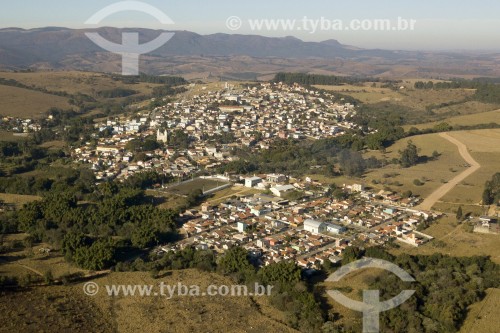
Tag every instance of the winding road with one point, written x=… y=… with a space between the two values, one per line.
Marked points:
x=441 y=191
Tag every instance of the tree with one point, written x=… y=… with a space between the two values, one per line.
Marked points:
x=409 y=156
x=145 y=235
x=351 y=253
x=352 y=163
x=235 y=260
x=459 y=213
x=284 y=272
x=435 y=155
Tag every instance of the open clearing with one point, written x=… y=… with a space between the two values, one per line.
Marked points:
x=25 y=103
x=464 y=120
x=21 y=261
x=74 y=82
x=431 y=199
x=365 y=93
x=484 y=146
x=17 y=199
x=452 y=239
x=183 y=313
x=483 y=317
x=195 y=184
x=50 y=309
x=9 y=136
x=432 y=173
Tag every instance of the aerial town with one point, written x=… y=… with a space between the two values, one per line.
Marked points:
x=271 y=227
x=254 y=117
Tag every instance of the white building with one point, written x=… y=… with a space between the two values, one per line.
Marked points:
x=358 y=188
x=242 y=227
x=313 y=226
x=279 y=191
x=162 y=136
x=335 y=229
x=276 y=178
x=252 y=181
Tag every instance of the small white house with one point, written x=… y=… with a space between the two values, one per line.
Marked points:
x=242 y=227
x=275 y=178
x=252 y=181
x=335 y=229
x=313 y=226
x=279 y=191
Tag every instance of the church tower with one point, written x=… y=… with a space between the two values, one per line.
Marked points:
x=162 y=136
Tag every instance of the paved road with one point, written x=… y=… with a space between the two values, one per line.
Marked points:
x=440 y=192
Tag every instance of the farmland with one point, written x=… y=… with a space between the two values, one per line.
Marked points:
x=432 y=173
x=17 y=199
x=184 y=314
x=484 y=146
x=25 y=103
x=452 y=239
x=465 y=120
x=73 y=82
x=40 y=91
x=196 y=184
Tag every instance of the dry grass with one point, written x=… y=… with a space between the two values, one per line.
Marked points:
x=17 y=199
x=74 y=82
x=434 y=171
x=169 y=200
x=24 y=261
x=365 y=93
x=53 y=144
x=9 y=136
x=483 y=316
x=484 y=146
x=183 y=314
x=455 y=242
x=196 y=184
x=466 y=120
x=24 y=103
x=225 y=194
x=51 y=309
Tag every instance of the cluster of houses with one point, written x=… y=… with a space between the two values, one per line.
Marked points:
x=487 y=225
x=250 y=117
x=20 y=125
x=310 y=230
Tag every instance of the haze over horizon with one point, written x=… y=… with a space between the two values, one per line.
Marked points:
x=439 y=26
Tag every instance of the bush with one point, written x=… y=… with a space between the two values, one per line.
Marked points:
x=417 y=182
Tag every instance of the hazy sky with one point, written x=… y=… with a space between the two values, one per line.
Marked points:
x=440 y=24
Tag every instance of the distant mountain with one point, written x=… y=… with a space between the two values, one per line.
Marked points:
x=188 y=52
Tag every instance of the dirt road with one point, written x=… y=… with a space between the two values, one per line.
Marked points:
x=440 y=192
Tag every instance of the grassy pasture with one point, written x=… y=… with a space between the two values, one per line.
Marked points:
x=464 y=120
x=25 y=103
x=447 y=166
x=484 y=146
